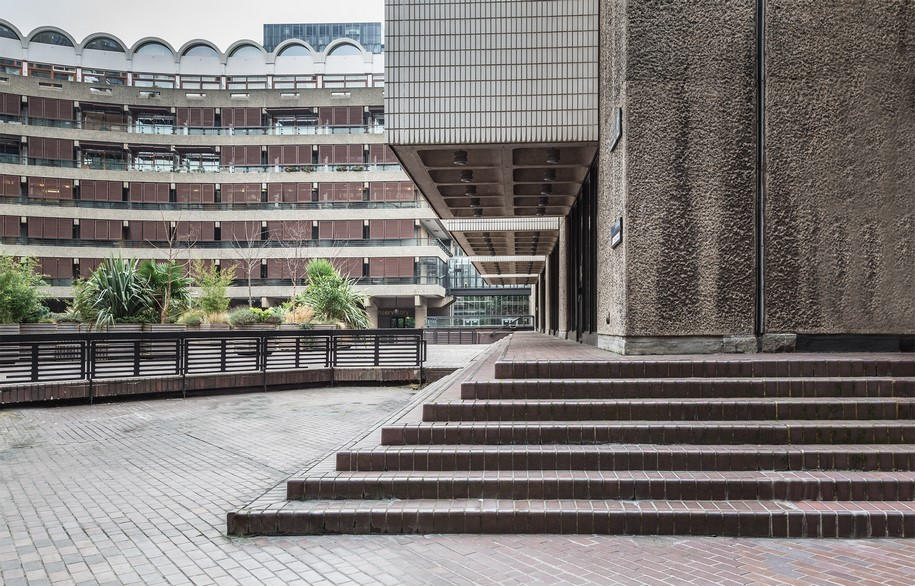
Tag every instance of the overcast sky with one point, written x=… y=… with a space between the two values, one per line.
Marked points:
x=178 y=21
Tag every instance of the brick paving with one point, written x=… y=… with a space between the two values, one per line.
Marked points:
x=136 y=493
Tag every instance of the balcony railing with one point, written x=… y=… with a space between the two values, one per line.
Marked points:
x=174 y=129
x=186 y=167
x=260 y=205
x=215 y=244
x=414 y=280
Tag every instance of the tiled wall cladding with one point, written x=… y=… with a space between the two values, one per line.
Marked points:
x=501 y=71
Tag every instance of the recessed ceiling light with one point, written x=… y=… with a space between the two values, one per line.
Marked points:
x=549 y=175
x=552 y=156
x=546 y=190
x=460 y=158
x=466 y=176
x=470 y=190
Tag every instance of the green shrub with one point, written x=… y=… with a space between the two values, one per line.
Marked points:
x=20 y=294
x=192 y=317
x=213 y=285
x=243 y=316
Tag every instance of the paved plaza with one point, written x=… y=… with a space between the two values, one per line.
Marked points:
x=137 y=493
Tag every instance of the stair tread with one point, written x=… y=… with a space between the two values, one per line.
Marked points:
x=597 y=506
x=665 y=423
x=905 y=448
x=692 y=379
x=683 y=400
x=612 y=475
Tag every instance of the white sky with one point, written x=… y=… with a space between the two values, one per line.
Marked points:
x=178 y=21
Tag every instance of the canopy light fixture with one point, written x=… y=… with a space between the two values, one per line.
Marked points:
x=475 y=202
x=460 y=158
x=478 y=212
x=546 y=190
x=552 y=156
x=542 y=202
x=470 y=190
x=466 y=176
x=549 y=175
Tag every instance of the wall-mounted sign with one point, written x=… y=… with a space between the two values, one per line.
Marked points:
x=616 y=129
x=616 y=233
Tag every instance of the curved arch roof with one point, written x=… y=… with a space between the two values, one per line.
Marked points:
x=165 y=60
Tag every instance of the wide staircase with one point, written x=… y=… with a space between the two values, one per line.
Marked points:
x=762 y=446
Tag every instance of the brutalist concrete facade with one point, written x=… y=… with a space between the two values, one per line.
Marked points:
x=764 y=173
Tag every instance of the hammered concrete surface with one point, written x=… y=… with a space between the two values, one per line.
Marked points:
x=136 y=493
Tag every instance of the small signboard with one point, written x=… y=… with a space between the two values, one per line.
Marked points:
x=616 y=129
x=616 y=233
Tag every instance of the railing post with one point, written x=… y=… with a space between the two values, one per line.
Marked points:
x=222 y=355
x=298 y=343
x=91 y=370
x=263 y=345
x=34 y=373
x=377 y=349
x=185 y=357
x=136 y=358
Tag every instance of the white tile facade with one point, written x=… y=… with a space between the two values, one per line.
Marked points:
x=496 y=71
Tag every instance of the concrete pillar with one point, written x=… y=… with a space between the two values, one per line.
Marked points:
x=419 y=311
x=548 y=277
x=372 y=310
x=532 y=303
x=563 y=245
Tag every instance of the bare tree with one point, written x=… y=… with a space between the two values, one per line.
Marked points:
x=180 y=237
x=292 y=237
x=249 y=250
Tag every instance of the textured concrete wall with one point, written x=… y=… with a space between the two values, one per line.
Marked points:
x=684 y=173
x=500 y=71
x=612 y=187
x=840 y=160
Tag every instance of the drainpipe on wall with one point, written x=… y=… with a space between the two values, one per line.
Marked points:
x=760 y=318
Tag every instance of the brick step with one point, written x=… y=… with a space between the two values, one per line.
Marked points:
x=727 y=518
x=669 y=409
x=623 y=485
x=885 y=457
x=782 y=365
x=690 y=388
x=654 y=432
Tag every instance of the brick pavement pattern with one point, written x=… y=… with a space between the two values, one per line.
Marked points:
x=136 y=493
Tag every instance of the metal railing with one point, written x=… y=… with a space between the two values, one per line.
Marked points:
x=488 y=321
x=274 y=282
x=92 y=356
x=215 y=244
x=259 y=205
x=149 y=166
x=178 y=130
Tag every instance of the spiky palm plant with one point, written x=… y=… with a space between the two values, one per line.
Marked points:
x=333 y=297
x=115 y=293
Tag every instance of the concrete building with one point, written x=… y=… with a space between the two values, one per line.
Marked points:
x=685 y=178
x=245 y=157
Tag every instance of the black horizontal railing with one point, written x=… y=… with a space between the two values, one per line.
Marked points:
x=209 y=244
x=151 y=166
x=179 y=130
x=359 y=280
x=235 y=206
x=90 y=356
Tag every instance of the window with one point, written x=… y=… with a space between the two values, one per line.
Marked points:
x=105 y=44
x=338 y=81
x=8 y=33
x=304 y=123
x=104 y=77
x=155 y=123
x=10 y=66
x=247 y=82
x=152 y=161
x=56 y=72
x=153 y=48
x=288 y=82
x=201 y=82
x=344 y=50
x=294 y=50
x=201 y=51
x=52 y=38
x=103 y=159
x=378 y=80
x=201 y=162
x=246 y=52
x=153 y=80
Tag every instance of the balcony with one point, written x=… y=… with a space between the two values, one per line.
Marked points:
x=228 y=206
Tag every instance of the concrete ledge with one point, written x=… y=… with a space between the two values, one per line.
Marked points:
x=631 y=345
x=45 y=392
